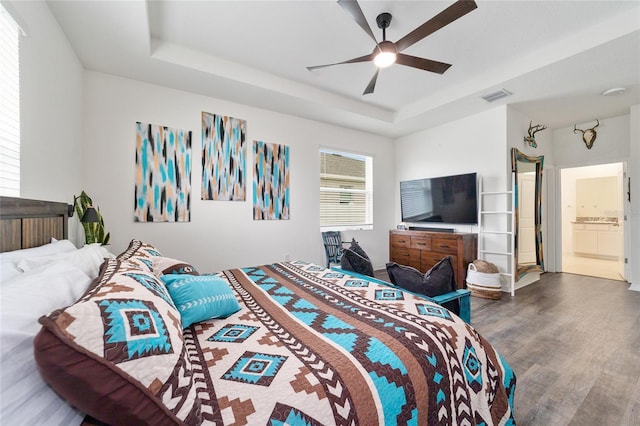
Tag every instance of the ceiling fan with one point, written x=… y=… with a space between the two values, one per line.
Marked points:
x=387 y=52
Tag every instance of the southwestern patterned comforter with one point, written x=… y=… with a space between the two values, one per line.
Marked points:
x=309 y=346
x=329 y=348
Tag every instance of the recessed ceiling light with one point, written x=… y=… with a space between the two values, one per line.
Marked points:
x=614 y=91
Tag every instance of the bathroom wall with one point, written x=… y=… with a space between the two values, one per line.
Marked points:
x=610 y=203
x=598 y=198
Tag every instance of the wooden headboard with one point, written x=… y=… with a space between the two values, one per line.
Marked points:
x=29 y=223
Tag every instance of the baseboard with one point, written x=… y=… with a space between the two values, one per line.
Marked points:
x=524 y=281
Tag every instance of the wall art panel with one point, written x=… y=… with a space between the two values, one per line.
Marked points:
x=223 y=158
x=270 y=181
x=163 y=174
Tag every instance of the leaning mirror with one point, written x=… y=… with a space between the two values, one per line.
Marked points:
x=527 y=252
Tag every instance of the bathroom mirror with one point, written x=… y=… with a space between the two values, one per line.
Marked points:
x=527 y=251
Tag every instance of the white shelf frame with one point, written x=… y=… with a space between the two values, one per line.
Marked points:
x=510 y=273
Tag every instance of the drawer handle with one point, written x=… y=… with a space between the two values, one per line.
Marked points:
x=421 y=244
x=444 y=246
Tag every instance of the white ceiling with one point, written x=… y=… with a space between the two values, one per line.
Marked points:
x=556 y=57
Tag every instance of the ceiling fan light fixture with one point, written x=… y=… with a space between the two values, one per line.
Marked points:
x=386 y=54
x=384 y=59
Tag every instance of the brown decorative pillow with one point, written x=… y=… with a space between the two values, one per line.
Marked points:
x=118 y=353
x=141 y=253
x=167 y=265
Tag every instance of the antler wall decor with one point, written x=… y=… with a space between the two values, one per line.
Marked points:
x=531 y=139
x=589 y=135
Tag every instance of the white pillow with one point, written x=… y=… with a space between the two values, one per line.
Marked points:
x=9 y=260
x=32 y=294
x=8 y=270
x=58 y=246
x=26 y=398
x=88 y=259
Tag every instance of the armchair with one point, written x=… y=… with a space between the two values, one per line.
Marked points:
x=333 y=248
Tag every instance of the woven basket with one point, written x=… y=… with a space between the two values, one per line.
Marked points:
x=483 y=284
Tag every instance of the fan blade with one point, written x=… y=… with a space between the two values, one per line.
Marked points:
x=447 y=16
x=421 y=63
x=354 y=10
x=364 y=58
x=372 y=84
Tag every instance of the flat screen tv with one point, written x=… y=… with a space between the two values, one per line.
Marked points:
x=446 y=199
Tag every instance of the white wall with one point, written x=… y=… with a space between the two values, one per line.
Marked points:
x=477 y=143
x=51 y=107
x=221 y=234
x=633 y=244
x=517 y=128
x=473 y=144
x=612 y=145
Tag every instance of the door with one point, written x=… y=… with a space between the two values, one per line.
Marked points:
x=622 y=219
x=526 y=218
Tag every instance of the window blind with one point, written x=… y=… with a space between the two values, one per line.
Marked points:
x=9 y=105
x=346 y=195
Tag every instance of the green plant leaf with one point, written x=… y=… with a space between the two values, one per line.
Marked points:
x=93 y=232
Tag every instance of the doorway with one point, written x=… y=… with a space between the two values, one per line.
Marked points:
x=593 y=220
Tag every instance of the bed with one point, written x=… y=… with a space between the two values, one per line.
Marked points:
x=153 y=341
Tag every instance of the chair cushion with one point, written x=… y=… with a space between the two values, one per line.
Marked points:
x=355 y=259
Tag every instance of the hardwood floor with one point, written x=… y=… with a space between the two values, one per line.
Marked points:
x=574 y=344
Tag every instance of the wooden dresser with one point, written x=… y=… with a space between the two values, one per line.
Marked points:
x=423 y=249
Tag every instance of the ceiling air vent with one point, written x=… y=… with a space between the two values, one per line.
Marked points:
x=494 y=96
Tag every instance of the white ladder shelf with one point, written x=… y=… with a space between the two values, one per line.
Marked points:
x=509 y=270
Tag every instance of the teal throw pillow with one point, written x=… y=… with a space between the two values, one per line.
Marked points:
x=199 y=298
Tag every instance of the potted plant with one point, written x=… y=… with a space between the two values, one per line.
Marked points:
x=91 y=220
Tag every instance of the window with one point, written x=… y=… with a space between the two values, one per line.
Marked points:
x=346 y=193
x=9 y=106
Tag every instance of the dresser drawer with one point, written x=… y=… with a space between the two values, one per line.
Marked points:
x=444 y=245
x=428 y=260
x=421 y=243
x=400 y=240
x=422 y=249
x=406 y=256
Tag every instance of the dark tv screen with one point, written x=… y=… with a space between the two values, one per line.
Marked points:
x=447 y=199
